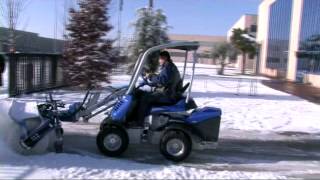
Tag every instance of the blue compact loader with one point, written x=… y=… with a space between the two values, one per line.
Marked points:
x=177 y=128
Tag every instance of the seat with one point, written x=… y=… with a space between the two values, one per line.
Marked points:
x=180 y=104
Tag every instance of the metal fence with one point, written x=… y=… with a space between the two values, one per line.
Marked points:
x=309 y=65
x=33 y=72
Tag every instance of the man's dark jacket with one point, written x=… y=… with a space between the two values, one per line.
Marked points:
x=168 y=81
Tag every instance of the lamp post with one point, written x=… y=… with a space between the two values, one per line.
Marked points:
x=119 y=23
x=150 y=4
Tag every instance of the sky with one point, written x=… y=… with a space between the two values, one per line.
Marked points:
x=203 y=17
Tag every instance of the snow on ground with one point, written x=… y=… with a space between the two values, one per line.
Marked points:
x=72 y=166
x=269 y=110
x=67 y=166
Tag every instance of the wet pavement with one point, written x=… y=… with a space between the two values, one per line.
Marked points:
x=289 y=154
x=304 y=91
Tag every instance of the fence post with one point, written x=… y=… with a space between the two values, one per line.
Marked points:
x=32 y=72
x=12 y=75
x=42 y=74
x=54 y=70
x=29 y=77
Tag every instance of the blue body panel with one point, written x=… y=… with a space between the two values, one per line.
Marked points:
x=197 y=116
x=203 y=114
x=121 y=109
x=180 y=106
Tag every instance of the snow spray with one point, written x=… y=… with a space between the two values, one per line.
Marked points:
x=6 y=123
x=10 y=132
x=6 y=126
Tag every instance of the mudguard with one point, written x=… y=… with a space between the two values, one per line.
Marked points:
x=108 y=123
x=206 y=122
x=203 y=114
x=177 y=126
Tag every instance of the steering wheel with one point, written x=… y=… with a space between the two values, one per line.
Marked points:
x=145 y=79
x=144 y=82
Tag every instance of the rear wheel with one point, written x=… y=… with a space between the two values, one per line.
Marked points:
x=175 y=146
x=112 y=141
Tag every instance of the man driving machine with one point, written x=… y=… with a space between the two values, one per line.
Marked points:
x=167 y=84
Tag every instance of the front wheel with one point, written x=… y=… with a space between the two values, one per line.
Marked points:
x=112 y=141
x=175 y=146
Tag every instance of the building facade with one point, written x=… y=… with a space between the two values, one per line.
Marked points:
x=247 y=22
x=289 y=34
x=28 y=42
x=206 y=45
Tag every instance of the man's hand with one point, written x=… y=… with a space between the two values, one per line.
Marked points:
x=149 y=75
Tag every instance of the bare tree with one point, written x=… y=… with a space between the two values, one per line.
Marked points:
x=11 y=11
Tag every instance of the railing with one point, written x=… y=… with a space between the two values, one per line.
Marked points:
x=33 y=72
x=309 y=65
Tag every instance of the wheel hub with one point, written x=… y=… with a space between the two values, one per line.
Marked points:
x=175 y=147
x=112 y=142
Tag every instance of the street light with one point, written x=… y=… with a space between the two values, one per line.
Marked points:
x=151 y=4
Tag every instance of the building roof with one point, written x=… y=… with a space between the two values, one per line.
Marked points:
x=30 y=42
x=199 y=38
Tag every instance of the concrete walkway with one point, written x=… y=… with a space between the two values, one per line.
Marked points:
x=288 y=154
x=303 y=91
x=3 y=93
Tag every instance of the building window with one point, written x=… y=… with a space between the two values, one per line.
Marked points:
x=279 y=34
x=309 y=49
x=253 y=28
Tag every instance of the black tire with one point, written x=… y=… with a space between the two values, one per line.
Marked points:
x=112 y=131
x=182 y=138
